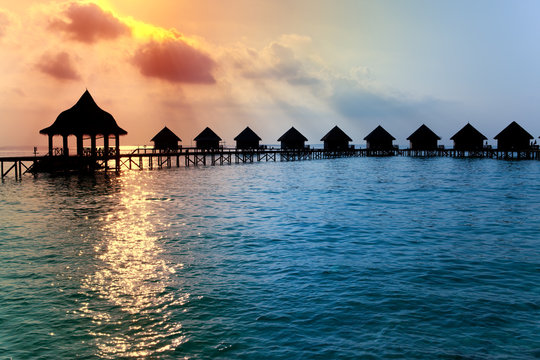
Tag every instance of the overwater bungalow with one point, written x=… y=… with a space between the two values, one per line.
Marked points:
x=166 y=140
x=468 y=138
x=85 y=118
x=336 y=139
x=423 y=139
x=379 y=139
x=513 y=138
x=207 y=139
x=247 y=139
x=292 y=139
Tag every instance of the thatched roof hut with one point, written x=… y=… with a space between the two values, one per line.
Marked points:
x=166 y=140
x=84 y=118
x=513 y=138
x=379 y=139
x=423 y=139
x=468 y=138
x=207 y=139
x=336 y=139
x=292 y=139
x=247 y=139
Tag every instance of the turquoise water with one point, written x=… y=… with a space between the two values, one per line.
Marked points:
x=376 y=258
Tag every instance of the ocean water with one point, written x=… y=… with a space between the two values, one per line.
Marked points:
x=358 y=258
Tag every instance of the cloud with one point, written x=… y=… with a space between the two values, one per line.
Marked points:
x=59 y=66
x=5 y=21
x=175 y=61
x=88 y=23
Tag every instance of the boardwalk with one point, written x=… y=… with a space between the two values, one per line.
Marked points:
x=144 y=158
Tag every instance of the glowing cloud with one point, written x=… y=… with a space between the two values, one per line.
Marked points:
x=88 y=23
x=4 y=22
x=174 y=61
x=58 y=66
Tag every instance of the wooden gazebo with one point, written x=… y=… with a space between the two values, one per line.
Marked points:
x=379 y=139
x=468 y=138
x=292 y=139
x=336 y=139
x=85 y=118
x=247 y=139
x=166 y=140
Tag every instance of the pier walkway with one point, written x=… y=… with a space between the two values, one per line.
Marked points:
x=148 y=158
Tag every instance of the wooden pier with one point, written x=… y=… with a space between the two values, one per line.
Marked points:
x=143 y=158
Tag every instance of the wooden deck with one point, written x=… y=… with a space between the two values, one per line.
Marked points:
x=143 y=158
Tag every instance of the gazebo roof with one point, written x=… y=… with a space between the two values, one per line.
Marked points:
x=468 y=132
x=336 y=134
x=166 y=135
x=247 y=135
x=379 y=134
x=292 y=135
x=86 y=118
x=207 y=135
x=512 y=131
x=423 y=132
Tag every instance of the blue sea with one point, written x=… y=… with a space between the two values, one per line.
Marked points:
x=356 y=258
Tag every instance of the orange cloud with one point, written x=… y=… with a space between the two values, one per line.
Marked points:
x=89 y=23
x=58 y=66
x=4 y=22
x=174 y=61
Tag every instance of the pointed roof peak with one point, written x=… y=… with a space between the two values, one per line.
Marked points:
x=336 y=134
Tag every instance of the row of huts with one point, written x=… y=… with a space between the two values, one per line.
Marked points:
x=512 y=138
x=87 y=120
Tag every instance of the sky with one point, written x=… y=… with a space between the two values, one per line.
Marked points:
x=270 y=65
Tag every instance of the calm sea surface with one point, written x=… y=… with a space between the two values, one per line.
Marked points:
x=375 y=258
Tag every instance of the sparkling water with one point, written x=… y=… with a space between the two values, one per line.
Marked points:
x=376 y=258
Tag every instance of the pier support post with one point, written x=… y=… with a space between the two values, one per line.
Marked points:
x=65 y=145
x=93 y=145
x=50 y=145
x=106 y=150
x=80 y=145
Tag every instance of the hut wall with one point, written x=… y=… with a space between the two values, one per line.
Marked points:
x=513 y=144
x=380 y=145
x=424 y=144
x=207 y=144
x=166 y=145
x=243 y=144
x=336 y=145
x=293 y=144
x=469 y=144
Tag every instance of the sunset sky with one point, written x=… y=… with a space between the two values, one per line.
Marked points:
x=271 y=65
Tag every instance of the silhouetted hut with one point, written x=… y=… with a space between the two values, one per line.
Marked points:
x=379 y=139
x=423 y=139
x=247 y=139
x=207 y=139
x=468 y=138
x=166 y=140
x=513 y=137
x=292 y=139
x=336 y=139
x=85 y=118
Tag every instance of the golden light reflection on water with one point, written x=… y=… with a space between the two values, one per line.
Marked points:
x=127 y=296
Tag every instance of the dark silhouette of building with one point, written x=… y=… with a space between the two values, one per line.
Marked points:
x=85 y=118
x=379 y=139
x=468 y=138
x=336 y=139
x=247 y=139
x=292 y=139
x=423 y=139
x=166 y=140
x=207 y=139
x=513 y=137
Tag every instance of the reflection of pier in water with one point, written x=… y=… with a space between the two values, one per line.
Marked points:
x=146 y=158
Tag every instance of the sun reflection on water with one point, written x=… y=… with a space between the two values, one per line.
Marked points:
x=127 y=297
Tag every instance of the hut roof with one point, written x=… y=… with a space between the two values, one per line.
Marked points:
x=85 y=117
x=421 y=133
x=247 y=135
x=292 y=135
x=468 y=132
x=512 y=131
x=165 y=134
x=336 y=134
x=207 y=135
x=379 y=134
